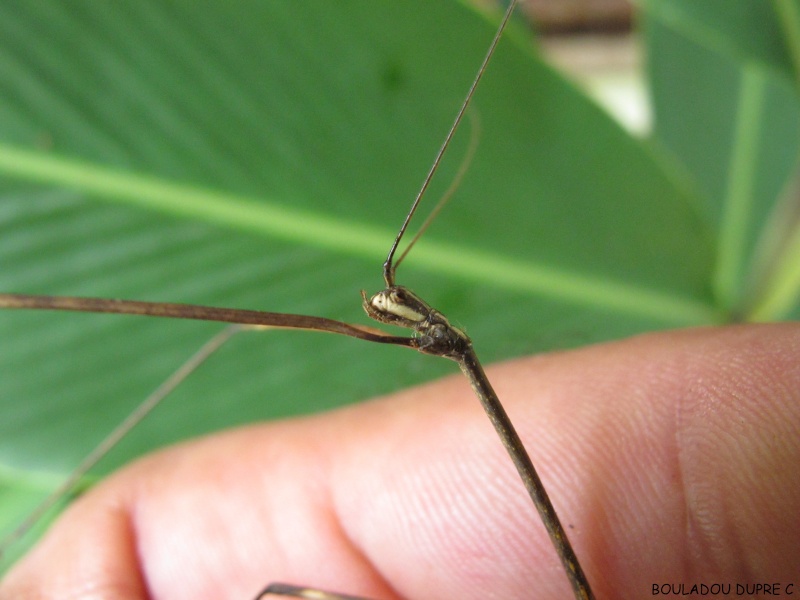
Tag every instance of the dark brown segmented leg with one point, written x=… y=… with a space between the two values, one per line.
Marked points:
x=294 y=591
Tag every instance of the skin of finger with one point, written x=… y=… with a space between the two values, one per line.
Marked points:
x=669 y=457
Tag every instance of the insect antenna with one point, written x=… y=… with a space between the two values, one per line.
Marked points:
x=475 y=135
x=389 y=266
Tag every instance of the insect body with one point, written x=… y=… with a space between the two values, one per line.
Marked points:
x=395 y=305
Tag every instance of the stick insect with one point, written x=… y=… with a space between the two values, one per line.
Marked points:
x=395 y=305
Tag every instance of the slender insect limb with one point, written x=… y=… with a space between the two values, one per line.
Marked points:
x=120 y=431
x=242 y=319
x=201 y=313
x=388 y=266
x=472 y=368
x=397 y=305
x=293 y=591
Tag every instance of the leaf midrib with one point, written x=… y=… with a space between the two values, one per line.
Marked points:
x=267 y=217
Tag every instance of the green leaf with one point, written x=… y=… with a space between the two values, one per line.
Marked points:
x=262 y=155
x=726 y=106
x=742 y=30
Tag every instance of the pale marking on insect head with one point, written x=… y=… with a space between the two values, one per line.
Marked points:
x=387 y=304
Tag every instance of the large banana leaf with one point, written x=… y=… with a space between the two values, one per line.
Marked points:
x=262 y=155
x=725 y=78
